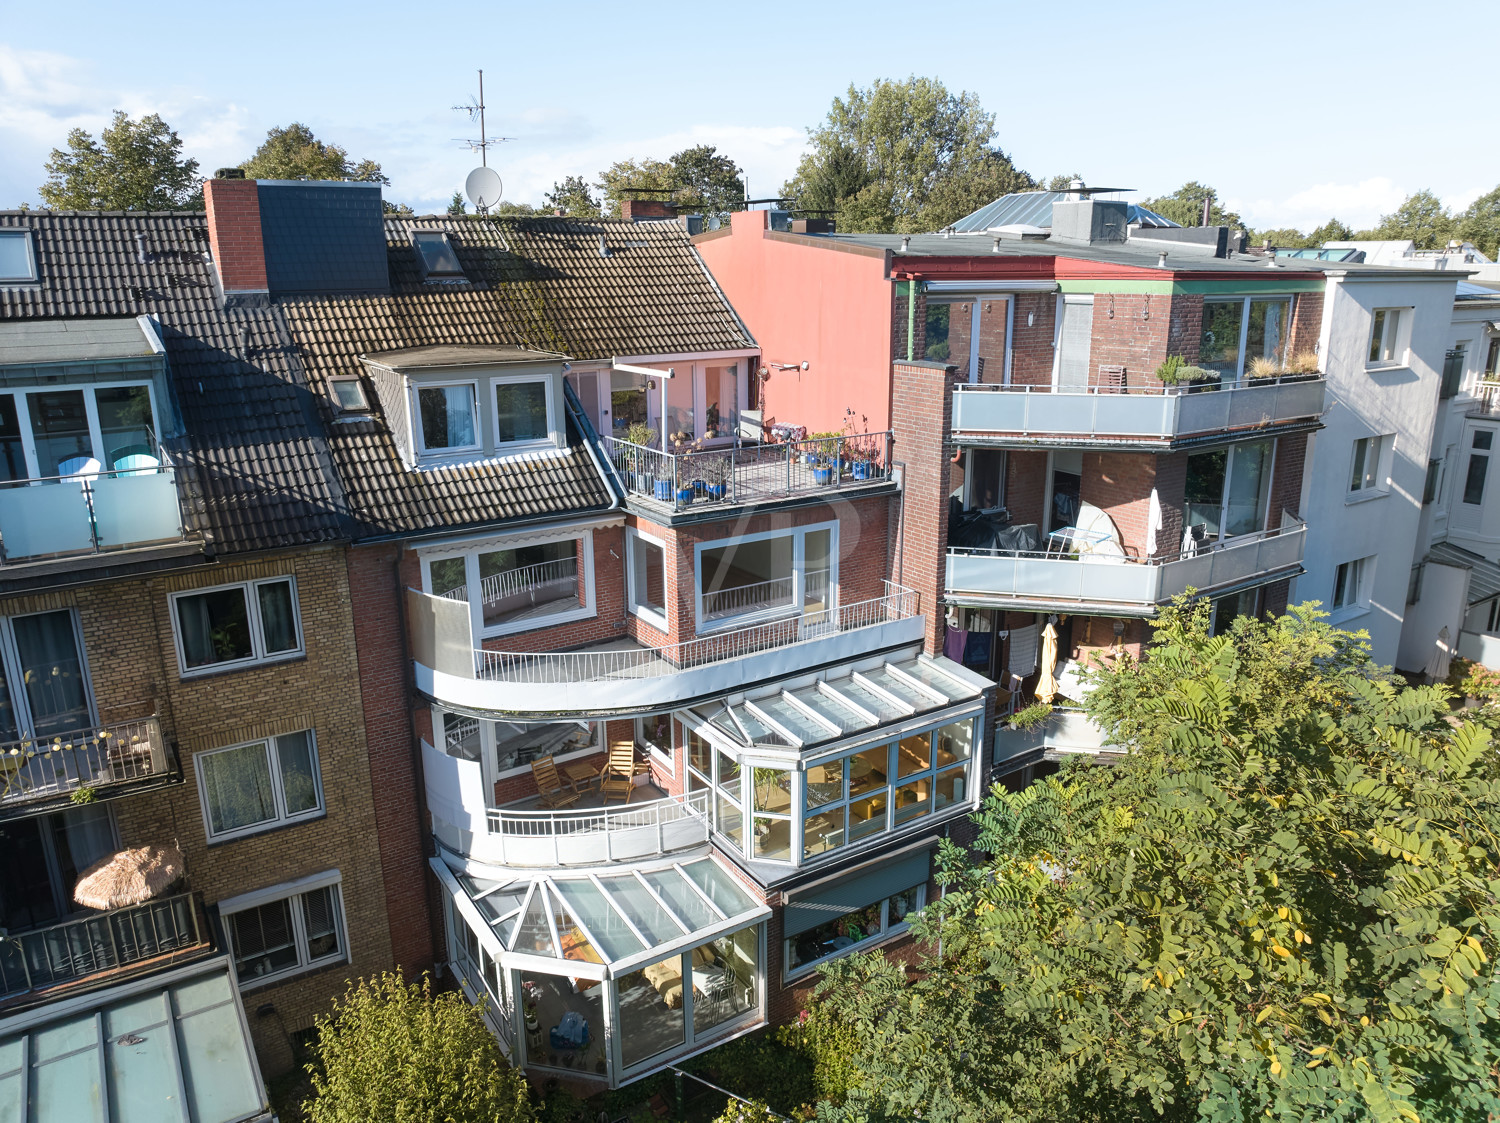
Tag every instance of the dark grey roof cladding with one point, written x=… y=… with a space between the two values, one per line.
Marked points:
x=1034 y=208
x=323 y=237
x=257 y=472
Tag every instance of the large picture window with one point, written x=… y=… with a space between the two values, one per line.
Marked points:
x=853 y=930
x=767 y=576
x=1228 y=491
x=280 y=932
x=237 y=625
x=1240 y=330
x=518 y=587
x=248 y=788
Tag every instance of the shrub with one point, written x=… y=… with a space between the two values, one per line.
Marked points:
x=1262 y=367
x=1177 y=370
x=395 y=1051
x=1303 y=362
x=1030 y=717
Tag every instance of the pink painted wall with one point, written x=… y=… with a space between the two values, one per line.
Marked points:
x=825 y=306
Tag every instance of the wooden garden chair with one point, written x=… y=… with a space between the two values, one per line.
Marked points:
x=618 y=777
x=549 y=784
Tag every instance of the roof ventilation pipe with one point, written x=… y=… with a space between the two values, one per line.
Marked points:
x=905 y=243
x=1161 y=260
x=996 y=248
x=1075 y=190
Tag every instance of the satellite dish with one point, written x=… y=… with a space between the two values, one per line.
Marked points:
x=483 y=188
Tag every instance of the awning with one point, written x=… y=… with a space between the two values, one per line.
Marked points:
x=169 y=1047
x=834 y=899
x=1484 y=579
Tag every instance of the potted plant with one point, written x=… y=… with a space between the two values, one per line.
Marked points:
x=714 y=473
x=1261 y=367
x=639 y=461
x=1177 y=371
x=1303 y=363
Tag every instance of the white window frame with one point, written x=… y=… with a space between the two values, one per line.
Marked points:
x=489 y=758
x=278 y=789
x=259 y=656
x=799 y=577
x=1395 y=337
x=465 y=451
x=470 y=553
x=887 y=931
x=1381 y=446
x=656 y=619
x=1359 y=602
x=29 y=241
x=507 y=448
x=329 y=879
x=91 y=411
x=13 y=671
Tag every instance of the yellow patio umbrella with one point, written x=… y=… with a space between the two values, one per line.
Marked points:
x=129 y=877
x=1046 y=686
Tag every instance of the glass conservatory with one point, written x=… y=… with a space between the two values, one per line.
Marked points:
x=609 y=974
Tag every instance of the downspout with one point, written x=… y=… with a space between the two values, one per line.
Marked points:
x=911 y=320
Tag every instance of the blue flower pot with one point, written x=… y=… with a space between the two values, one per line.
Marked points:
x=718 y=491
x=664 y=490
x=823 y=474
x=864 y=470
x=685 y=496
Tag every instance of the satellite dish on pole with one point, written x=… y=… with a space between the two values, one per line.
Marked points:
x=483 y=188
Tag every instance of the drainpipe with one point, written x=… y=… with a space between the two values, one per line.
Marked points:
x=911 y=320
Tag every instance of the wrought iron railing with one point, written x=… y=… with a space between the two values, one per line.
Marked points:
x=898 y=603
x=545 y=837
x=101 y=756
x=99 y=942
x=741 y=474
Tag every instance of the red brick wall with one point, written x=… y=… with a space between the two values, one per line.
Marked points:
x=899 y=321
x=1286 y=477
x=1307 y=322
x=1119 y=484
x=1273 y=600
x=1134 y=337
x=1185 y=334
x=922 y=414
x=1032 y=351
x=1171 y=492
x=234 y=234
x=375 y=592
x=1026 y=486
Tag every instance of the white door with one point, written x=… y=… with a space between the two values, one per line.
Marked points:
x=1075 y=333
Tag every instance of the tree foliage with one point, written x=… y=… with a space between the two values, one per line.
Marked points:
x=574 y=197
x=1480 y=223
x=133 y=166
x=1421 y=217
x=395 y=1051
x=904 y=157
x=699 y=178
x=1185 y=207
x=294 y=153
x=1282 y=904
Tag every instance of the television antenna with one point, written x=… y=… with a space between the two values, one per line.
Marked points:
x=475 y=109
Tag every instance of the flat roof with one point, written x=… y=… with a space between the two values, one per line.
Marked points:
x=459 y=355
x=29 y=342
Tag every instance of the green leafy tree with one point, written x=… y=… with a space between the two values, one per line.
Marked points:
x=395 y=1051
x=1422 y=218
x=1282 y=904
x=1062 y=182
x=707 y=181
x=1331 y=231
x=627 y=179
x=133 y=166
x=456 y=204
x=573 y=197
x=904 y=157
x=1185 y=207
x=1284 y=237
x=1480 y=224
x=294 y=153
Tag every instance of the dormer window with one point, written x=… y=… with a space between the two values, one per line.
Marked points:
x=349 y=396
x=438 y=259
x=448 y=419
x=523 y=410
x=17 y=257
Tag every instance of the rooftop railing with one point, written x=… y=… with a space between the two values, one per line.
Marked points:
x=599 y=834
x=1486 y=399
x=91 y=509
x=1160 y=413
x=741 y=474
x=37 y=770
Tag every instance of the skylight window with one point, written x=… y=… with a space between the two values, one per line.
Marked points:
x=349 y=395
x=17 y=261
x=437 y=255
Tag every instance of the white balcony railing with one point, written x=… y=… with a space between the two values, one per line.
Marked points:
x=92 y=510
x=1049 y=579
x=593 y=835
x=1163 y=414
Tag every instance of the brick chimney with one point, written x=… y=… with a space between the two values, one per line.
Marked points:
x=638 y=210
x=234 y=233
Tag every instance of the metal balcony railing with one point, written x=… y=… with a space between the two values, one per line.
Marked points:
x=1160 y=414
x=742 y=474
x=898 y=603
x=35 y=770
x=88 y=945
x=571 y=837
x=1486 y=399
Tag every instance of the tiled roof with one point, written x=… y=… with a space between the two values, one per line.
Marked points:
x=541 y=284
x=257 y=469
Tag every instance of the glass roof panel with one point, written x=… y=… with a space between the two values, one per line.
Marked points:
x=869 y=700
x=534 y=937
x=949 y=688
x=652 y=920
x=438 y=258
x=719 y=886
x=606 y=925
x=718 y=717
x=842 y=716
x=908 y=694
x=760 y=732
x=680 y=896
x=796 y=722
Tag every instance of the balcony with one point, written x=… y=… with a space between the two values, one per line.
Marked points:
x=123 y=941
x=1161 y=418
x=625 y=677
x=737 y=475
x=1066 y=731
x=92 y=510
x=1486 y=402
x=1041 y=582
x=36 y=773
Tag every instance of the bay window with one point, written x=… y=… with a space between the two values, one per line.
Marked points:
x=767 y=576
x=517 y=585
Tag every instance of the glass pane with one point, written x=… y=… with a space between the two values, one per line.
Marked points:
x=521 y=412
x=681 y=898
x=747 y=577
x=294 y=752
x=729 y=774
x=12 y=451
x=215 y=627
x=914 y=753
x=722 y=890
x=835 y=936
x=822 y=832
x=954 y=742
x=1220 y=348
x=528 y=582
x=772 y=790
x=437 y=255
x=15 y=256
x=564 y=1019
x=350 y=395
x=651 y=1010
x=1266 y=335
x=773 y=839
x=263 y=941
x=1357 y=472
x=950 y=787
x=604 y=924
x=627 y=402
x=731 y=821
x=461 y=736
x=699 y=752
x=648 y=573
x=825 y=782
x=724 y=974
x=52 y=670
x=640 y=906
x=936 y=348
x=869 y=770
x=519 y=743
x=656 y=731
x=867 y=816
x=913 y=800
x=680 y=405
x=1474 y=478
x=278 y=622
x=1249 y=489
x=60 y=430
x=1205 y=490
x=447 y=417
x=237 y=785
x=320 y=917
x=817 y=578
x=125 y=425
x=721 y=413
x=534 y=936
x=450 y=579
x=1377 y=336
x=903 y=904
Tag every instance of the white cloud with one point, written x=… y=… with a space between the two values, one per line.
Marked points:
x=1355 y=204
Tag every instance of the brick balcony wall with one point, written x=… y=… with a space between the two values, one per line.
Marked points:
x=922 y=415
x=1032 y=352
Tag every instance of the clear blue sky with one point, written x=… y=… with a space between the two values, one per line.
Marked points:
x=1294 y=111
